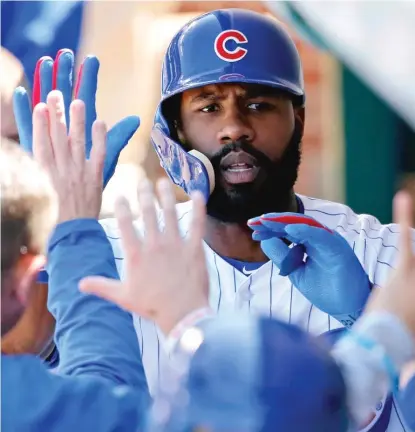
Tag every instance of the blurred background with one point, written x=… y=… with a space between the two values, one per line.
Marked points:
x=359 y=67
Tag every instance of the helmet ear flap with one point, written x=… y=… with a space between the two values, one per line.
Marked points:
x=170 y=110
x=208 y=166
x=188 y=170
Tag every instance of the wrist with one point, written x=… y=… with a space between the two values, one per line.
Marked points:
x=391 y=333
x=169 y=320
x=192 y=319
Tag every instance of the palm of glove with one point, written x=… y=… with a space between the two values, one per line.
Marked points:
x=321 y=264
x=58 y=74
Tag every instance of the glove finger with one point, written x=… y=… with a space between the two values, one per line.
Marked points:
x=85 y=90
x=262 y=235
x=63 y=76
x=292 y=218
x=276 y=227
x=275 y=249
x=117 y=139
x=319 y=243
x=254 y=222
x=293 y=261
x=45 y=78
x=36 y=82
x=23 y=117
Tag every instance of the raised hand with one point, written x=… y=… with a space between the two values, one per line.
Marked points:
x=321 y=264
x=77 y=181
x=398 y=295
x=58 y=74
x=166 y=276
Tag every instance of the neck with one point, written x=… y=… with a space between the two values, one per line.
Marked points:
x=234 y=240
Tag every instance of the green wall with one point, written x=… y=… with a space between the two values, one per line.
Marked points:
x=373 y=149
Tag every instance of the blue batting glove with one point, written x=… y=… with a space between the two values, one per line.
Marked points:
x=58 y=74
x=319 y=262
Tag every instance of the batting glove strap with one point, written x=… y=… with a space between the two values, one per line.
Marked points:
x=43 y=277
x=379 y=353
x=391 y=333
x=189 y=321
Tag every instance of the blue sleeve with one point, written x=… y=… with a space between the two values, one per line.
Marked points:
x=94 y=337
x=35 y=400
x=406 y=400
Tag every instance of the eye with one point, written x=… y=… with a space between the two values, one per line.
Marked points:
x=210 y=108
x=260 y=106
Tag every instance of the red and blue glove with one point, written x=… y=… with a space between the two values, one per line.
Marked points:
x=58 y=75
x=318 y=261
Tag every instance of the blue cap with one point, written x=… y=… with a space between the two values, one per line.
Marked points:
x=259 y=374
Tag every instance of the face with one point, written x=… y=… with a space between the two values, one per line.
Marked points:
x=8 y=126
x=12 y=76
x=11 y=309
x=252 y=136
x=16 y=291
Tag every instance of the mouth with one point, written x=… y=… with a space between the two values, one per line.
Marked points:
x=239 y=167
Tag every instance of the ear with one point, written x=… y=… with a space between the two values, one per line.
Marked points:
x=26 y=272
x=299 y=113
x=180 y=134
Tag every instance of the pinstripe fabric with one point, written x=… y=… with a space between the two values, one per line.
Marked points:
x=265 y=292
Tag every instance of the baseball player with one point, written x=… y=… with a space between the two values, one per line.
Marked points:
x=255 y=374
x=100 y=384
x=79 y=247
x=34 y=332
x=49 y=75
x=230 y=124
x=232 y=90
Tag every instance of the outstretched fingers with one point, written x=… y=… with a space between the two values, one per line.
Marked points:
x=130 y=241
x=198 y=224
x=402 y=212
x=168 y=203
x=58 y=133
x=111 y=290
x=42 y=144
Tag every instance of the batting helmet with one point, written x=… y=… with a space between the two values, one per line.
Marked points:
x=223 y=46
x=255 y=375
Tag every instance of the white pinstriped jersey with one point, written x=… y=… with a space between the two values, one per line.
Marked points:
x=264 y=291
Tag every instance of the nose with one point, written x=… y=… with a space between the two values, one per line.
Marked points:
x=235 y=127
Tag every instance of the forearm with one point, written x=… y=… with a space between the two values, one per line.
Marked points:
x=196 y=320
x=365 y=371
x=93 y=336
x=64 y=403
x=406 y=400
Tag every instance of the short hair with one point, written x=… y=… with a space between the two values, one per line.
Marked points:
x=28 y=205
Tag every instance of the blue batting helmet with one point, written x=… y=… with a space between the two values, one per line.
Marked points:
x=223 y=46
x=255 y=375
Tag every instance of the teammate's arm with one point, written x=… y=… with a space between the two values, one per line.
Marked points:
x=381 y=344
x=36 y=400
x=406 y=397
x=93 y=337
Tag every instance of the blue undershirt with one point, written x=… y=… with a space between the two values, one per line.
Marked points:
x=247 y=268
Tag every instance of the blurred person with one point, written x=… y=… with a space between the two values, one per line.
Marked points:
x=230 y=123
x=12 y=76
x=100 y=384
x=256 y=374
x=34 y=331
x=243 y=111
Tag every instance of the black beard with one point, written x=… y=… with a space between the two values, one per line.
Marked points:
x=270 y=192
